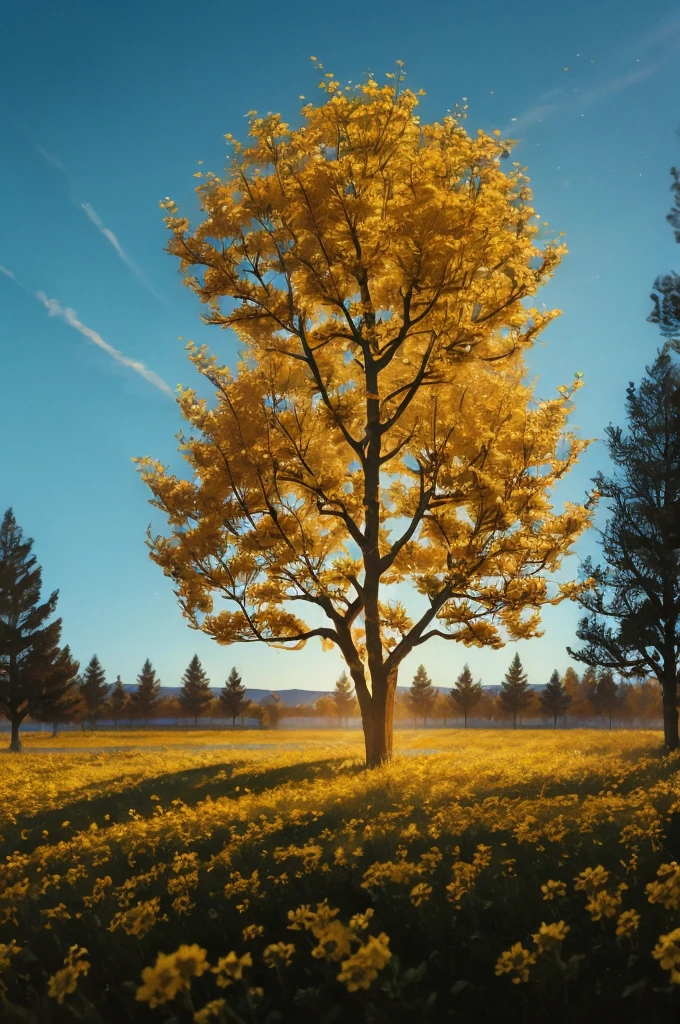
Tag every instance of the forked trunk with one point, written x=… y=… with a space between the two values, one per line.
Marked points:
x=15 y=742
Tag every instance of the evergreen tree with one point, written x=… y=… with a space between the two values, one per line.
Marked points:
x=666 y=294
x=233 y=697
x=606 y=696
x=555 y=697
x=344 y=698
x=465 y=694
x=632 y=621
x=60 y=707
x=147 y=696
x=421 y=695
x=34 y=670
x=118 y=701
x=93 y=690
x=515 y=695
x=195 y=695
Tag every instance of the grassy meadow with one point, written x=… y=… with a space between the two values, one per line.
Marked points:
x=479 y=877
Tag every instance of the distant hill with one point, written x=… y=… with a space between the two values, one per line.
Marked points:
x=295 y=697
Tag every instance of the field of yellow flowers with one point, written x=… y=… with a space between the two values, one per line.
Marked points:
x=528 y=876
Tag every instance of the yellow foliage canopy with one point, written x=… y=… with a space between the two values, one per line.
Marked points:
x=379 y=427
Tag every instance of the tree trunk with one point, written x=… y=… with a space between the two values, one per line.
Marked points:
x=465 y=720
x=55 y=729
x=555 y=721
x=15 y=742
x=514 y=721
x=379 y=723
x=670 y=715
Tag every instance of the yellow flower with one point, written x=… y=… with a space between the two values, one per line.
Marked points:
x=252 y=931
x=230 y=968
x=604 y=904
x=334 y=941
x=553 y=889
x=549 y=937
x=419 y=893
x=279 y=953
x=360 y=969
x=627 y=923
x=667 y=890
x=209 y=1011
x=65 y=981
x=171 y=973
x=667 y=952
x=515 y=961
x=7 y=951
x=137 y=920
x=592 y=879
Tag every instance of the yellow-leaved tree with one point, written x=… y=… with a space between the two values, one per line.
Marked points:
x=378 y=429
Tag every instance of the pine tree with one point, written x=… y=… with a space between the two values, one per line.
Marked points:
x=515 y=695
x=421 y=695
x=195 y=695
x=606 y=696
x=61 y=706
x=632 y=621
x=118 y=701
x=666 y=294
x=34 y=669
x=147 y=696
x=93 y=690
x=233 y=697
x=465 y=694
x=344 y=698
x=555 y=698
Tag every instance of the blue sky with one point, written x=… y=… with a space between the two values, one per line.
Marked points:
x=106 y=109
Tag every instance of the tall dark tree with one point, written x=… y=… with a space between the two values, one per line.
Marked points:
x=666 y=294
x=233 y=696
x=515 y=695
x=344 y=698
x=421 y=695
x=606 y=696
x=94 y=690
x=195 y=695
x=632 y=625
x=59 y=706
x=555 y=698
x=465 y=694
x=118 y=701
x=666 y=313
x=34 y=669
x=147 y=696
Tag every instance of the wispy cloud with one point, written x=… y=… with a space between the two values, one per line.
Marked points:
x=91 y=213
x=659 y=43
x=7 y=273
x=110 y=237
x=54 y=308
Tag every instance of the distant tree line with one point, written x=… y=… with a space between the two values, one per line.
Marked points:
x=41 y=682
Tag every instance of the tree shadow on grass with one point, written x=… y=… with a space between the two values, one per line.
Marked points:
x=225 y=779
